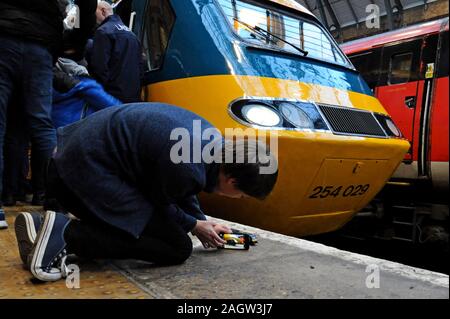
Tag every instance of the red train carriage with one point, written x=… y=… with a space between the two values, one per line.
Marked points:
x=407 y=69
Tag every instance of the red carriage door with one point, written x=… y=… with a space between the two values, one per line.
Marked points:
x=401 y=91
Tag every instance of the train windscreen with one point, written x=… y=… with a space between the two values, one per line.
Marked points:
x=267 y=26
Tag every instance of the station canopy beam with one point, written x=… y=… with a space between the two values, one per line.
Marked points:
x=334 y=18
x=339 y=15
x=352 y=11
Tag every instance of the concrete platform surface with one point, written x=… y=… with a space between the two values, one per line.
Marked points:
x=278 y=267
x=284 y=267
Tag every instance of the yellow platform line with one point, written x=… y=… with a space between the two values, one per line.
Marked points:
x=98 y=280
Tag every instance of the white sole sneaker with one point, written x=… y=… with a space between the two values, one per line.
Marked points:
x=40 y=246
x=25 y=229
x=3 y=224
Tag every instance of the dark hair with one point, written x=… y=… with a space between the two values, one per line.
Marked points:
x=248 y=162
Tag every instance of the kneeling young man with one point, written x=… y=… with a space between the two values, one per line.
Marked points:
x=118 y=172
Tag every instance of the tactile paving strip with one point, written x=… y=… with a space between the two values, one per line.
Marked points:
x=97 y=280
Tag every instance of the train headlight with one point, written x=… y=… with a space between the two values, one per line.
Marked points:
x=261 y=114
x=393 y=128
x=296 y=116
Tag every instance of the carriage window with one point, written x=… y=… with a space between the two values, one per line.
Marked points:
x=368 y=64
x=400 y=68
x=305 y=35
x=158 y=26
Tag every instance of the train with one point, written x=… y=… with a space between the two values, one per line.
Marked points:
x=270 y=65
x=407 y=69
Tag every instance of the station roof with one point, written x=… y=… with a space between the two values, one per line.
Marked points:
x=293 y=5
x=337 y=14
x=397 y=35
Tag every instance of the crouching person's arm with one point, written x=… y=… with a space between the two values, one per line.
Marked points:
x=189 y=215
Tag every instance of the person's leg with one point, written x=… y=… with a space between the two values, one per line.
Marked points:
x=10 y=55
x=56 y=191
x=9 y=161
x=23 y=185
x=15 y=154
x=162 y=241
x=29 y=225
x=37 y=83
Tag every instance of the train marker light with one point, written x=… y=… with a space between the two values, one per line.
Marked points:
x=296 y=116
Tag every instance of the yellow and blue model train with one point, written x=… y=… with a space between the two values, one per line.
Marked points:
x=272 y=66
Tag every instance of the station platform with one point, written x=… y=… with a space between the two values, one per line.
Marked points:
x=277 y=267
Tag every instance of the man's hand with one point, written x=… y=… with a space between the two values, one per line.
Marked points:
x=207 y=232
x=218 y=228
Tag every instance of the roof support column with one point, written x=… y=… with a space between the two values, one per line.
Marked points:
x=333 y=16
x=390 y=15
x=320 y=6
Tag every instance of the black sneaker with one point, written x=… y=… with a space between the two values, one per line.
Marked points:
x=20 y=198
x=38 y=199
x=3 y=223
x=27 y=226
x=48 y=255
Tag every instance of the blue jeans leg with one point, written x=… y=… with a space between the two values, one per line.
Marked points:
x=10 y=57
x=37 y=85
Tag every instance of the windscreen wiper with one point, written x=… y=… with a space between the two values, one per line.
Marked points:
x=265 y=33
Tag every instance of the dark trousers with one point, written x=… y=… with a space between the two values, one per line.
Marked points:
x=27 y=68
x=15 y=153
x=162 y=242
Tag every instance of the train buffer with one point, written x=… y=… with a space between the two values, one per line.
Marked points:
x=277 y=267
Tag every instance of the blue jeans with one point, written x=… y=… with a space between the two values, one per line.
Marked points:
x=26 y=68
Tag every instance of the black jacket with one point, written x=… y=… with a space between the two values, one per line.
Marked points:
x=40 y=21
x=117 y=161
x=115 y=60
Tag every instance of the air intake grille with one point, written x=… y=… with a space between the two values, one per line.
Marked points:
x=349 y=121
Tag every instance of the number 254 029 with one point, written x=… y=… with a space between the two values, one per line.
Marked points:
x=335 y=191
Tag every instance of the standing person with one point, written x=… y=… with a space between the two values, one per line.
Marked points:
x=75 y=39
x=30 y=33
x=114 y=56
x=118 y=171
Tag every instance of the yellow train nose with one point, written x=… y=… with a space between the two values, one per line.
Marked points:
x=323 y=181
x=323 y=178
